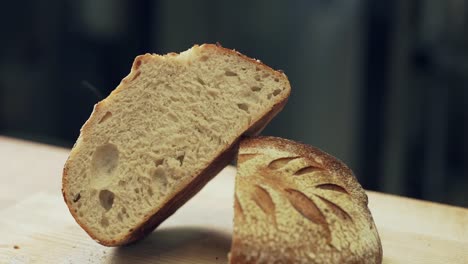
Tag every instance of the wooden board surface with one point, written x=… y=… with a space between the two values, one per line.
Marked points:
x=34 y=218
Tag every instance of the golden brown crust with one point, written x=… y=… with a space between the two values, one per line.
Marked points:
x=297 y=204
x=148 y=224
x=331 y=163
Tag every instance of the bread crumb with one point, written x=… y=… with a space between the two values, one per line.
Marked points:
x=16 y=247
x=165 y=159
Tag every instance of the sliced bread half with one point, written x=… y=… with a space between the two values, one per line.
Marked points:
x=162 y=134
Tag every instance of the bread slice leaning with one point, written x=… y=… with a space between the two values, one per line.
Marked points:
x=296 y=204
x=162 y=134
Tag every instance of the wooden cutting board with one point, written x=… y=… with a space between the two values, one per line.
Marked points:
x=36 y=227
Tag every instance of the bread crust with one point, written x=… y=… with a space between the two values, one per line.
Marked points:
x=156 y=217
x=356 y=220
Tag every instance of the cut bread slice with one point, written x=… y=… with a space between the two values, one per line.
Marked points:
x=171 y=125
x=296 y=204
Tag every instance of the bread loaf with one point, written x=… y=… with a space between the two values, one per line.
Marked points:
x=162 y=134
x=296 y=204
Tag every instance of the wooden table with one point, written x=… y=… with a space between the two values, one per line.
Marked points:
x=36 y=227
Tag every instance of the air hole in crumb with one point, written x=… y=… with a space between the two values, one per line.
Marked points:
x=104 y=222
x=180 y=158
x=172 y=117
x=265 y=75
x=213 y=92
x=137 y=190
x=80 y=214
x=143 y=180
x=150 y=191
x=244 y=107
x=158 y=162
x=204 y=58
x=122 y=183
x=269 y=96
x=105 y=159
x=76 y=198
x=255 y=88
x=199 y=80
x=257 y=77
x=276 y=92
x=106 y=116
x=123 y=210
x=229 y=73
x=276 y=80
x=257 y=68
x=159 y=177
x=106 y=198
x=158 y=173
x=119 y=217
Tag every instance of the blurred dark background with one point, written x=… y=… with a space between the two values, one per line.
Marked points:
x=380 y=84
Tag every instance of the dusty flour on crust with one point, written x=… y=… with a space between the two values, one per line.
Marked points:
x=296 y=204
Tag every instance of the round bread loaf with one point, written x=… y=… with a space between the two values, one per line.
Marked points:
x=296 y=204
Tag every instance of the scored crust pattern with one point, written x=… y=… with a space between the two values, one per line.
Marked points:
x=277 y=176
x=297 y=204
